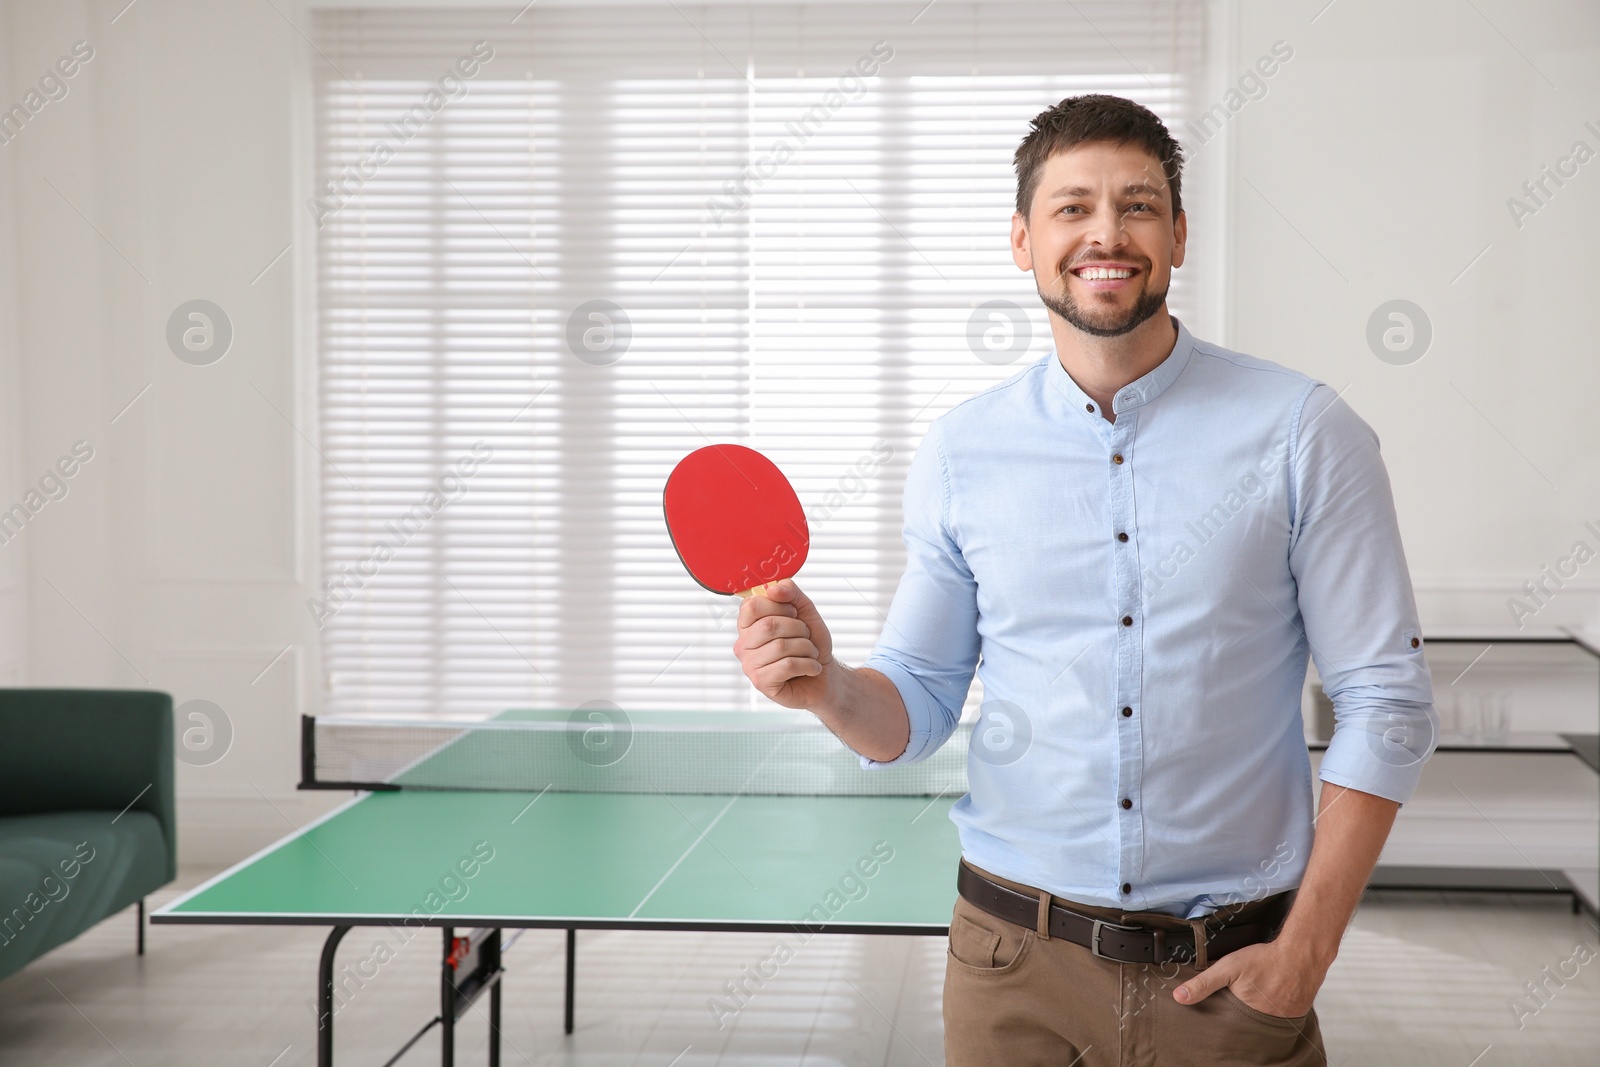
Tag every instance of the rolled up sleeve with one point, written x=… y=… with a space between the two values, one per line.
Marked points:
x=929 y=645
x=1357 y=604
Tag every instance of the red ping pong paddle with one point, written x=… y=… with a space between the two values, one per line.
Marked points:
x=734 y=519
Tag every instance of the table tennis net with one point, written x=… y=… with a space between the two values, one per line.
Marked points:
x=725 y=753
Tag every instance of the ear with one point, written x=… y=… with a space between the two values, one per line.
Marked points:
x=1180 y=238
x=1021 y=252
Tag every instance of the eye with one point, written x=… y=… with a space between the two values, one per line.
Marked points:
x=1146 y=207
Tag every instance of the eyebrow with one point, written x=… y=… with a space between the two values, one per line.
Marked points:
x=1084 y=190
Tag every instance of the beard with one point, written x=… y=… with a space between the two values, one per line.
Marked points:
x=1102 y=323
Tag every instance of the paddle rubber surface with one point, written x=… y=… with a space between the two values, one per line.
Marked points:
x=735 y=520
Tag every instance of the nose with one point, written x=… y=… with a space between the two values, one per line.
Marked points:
x=1107 y=228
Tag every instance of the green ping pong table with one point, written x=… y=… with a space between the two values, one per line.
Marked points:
x=410 y=853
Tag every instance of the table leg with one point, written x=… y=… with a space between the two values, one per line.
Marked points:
x=572 y=972
x=447 y=1005
x=325 y=996
x=494 y=1022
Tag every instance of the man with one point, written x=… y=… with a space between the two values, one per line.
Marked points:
x=1136 y=542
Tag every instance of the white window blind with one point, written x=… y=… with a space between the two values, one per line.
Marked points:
x=796 y=254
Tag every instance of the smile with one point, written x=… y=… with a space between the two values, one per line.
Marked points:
x=1105 y=277
x=1099 y=274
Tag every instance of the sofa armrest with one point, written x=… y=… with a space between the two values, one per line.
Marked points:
x=89 y=749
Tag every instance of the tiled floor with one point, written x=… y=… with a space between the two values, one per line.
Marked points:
x=1422 y=980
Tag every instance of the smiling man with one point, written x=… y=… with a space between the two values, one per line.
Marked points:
x=1135 y=543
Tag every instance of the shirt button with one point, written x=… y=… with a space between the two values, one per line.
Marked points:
x=1127 y=620
x=1127 y=887
x=1088 y=407
x=1116 y=457
x=1126 y=803
x=1122 y=537
x=1126 y=712
x=1416 y=642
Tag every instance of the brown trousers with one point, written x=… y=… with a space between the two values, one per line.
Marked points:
x=1013 y=998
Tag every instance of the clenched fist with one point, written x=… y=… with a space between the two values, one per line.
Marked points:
x=784 y=646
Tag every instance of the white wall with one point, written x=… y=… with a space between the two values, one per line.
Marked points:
x=1377 y=166
x=177 y=558
x=13 y=553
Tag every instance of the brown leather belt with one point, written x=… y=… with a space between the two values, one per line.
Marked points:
x=1115 y=941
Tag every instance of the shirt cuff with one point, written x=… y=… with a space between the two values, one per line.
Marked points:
x=1382 y=755
x=921 y=709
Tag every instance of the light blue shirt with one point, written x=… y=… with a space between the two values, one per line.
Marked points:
x=1141 y=743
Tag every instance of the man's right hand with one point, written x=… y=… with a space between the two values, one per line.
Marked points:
x=785 y=648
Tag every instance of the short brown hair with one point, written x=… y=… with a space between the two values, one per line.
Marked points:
x=1095 y=117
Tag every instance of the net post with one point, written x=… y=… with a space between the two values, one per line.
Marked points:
x=308 y=752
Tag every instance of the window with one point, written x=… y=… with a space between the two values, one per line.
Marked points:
x=630 y=231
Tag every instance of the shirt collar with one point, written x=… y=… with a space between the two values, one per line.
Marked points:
x=1137 y=392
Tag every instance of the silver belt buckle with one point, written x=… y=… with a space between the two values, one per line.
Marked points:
x=1094 y=938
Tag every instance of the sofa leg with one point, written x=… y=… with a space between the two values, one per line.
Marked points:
x=140 y=920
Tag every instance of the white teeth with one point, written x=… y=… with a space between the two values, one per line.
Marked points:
x=1098 y=274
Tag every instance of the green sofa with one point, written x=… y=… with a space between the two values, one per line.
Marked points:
x=87 y=817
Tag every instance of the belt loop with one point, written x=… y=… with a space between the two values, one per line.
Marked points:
x=1043 y=926
x=1201 y=958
